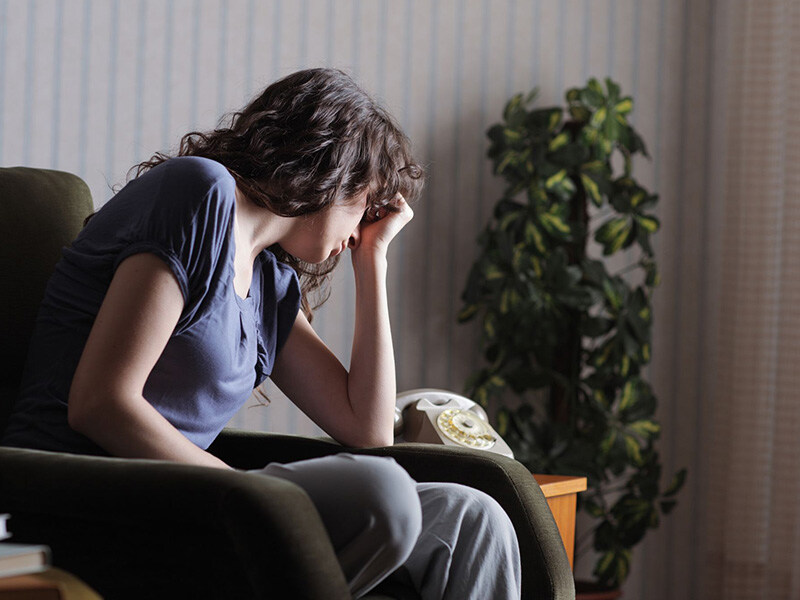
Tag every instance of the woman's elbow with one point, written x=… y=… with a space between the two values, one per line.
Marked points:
x=83 y=415
x=369 y=439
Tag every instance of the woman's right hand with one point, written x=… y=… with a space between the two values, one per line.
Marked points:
x=374 y=237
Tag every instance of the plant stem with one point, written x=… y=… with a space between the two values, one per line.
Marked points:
x=630 y=267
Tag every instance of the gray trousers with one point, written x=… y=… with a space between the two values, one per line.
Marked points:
x=448 y=541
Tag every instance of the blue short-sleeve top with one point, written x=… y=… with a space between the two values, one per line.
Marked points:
x=223 y=345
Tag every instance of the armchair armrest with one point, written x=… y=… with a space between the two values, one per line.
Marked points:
x=546 y=571
x=153 y=529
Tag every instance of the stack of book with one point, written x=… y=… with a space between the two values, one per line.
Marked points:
x=20 y=559
x=26 y=574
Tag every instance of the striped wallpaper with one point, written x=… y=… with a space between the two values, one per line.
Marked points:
x=95 y=86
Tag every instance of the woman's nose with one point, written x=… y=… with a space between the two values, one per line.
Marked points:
x=355 y=238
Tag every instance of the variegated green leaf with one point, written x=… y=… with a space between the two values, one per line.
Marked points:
x=559 y=141
x=481 y=397
x=467 y=312
x=624 y=106
x=633 y=450
x=507 y=159
x=505 y=301
x=613 y=90
x=601 y=397
x=502 y=423
x=651 y=224
x=604 y=564
x=620 y=235
x=611 y=294
x=534 y=236
x=592 y=189
x=507 y=220
x=594 y=166
x=497 y=381
x=625 y=366
x=604 y=355
x=555 y=120
x=537 y=266
x=608 y=442
x=554 y=180
x=628 y=398
x=579 y=113
x=599 y=117
x=488 y=327
x=646 y=429
x=611 y=229
x=595 y=86
x=492 y=272
x=554 y=223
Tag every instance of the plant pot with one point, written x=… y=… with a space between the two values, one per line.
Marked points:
x=589 y=590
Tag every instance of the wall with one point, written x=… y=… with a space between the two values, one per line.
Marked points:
x=94 y=86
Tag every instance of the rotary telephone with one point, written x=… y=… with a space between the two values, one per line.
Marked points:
x=441 y=417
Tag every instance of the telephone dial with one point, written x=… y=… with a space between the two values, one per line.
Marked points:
x=441 y=417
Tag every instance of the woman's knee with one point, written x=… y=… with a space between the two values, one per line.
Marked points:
x=387 y=493
x=478 y=510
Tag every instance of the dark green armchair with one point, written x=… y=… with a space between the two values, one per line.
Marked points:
x=155 y=529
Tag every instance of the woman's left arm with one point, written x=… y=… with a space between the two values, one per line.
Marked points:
x=355 y=408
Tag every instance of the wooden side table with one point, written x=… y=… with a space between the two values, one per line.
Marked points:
x=52 y=584
x=561 y=492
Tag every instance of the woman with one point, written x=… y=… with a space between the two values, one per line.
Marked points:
x=182 y=294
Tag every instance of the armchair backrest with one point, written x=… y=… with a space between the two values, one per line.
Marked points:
x=41 y=211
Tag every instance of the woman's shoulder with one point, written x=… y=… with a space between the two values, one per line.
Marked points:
x=185 y=186
x=195 y=170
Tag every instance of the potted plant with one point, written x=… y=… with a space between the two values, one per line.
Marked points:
x=566 y=337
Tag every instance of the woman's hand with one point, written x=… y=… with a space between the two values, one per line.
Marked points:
x=374 y=237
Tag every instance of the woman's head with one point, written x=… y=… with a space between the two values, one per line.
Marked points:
x=310 y=140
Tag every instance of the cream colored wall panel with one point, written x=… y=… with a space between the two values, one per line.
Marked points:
x=233 y=55
x=469 y=158
x=599 y=23
x=67 y=100
x=647 y=88
x=367 y=42
x=206 y=105
x=520 y=40
x=572 y=27
x=126 y=36
x=182 y=40
x=15 y=68
x=434 y=253
x=152 y=76
x=624 y=51
x=38 y=84
x=317 y=32
x=95 y=120
x=548 y=49
x=411 y=309
x=289 y=51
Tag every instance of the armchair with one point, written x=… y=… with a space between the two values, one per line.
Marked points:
x=153 y=529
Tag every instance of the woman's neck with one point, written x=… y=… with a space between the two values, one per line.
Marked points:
x=256 y=227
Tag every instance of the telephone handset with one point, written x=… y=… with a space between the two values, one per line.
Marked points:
x=441 y=417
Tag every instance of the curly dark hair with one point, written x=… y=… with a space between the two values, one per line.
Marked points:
x=308 y=140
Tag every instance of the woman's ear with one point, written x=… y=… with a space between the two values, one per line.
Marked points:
x=355 y=238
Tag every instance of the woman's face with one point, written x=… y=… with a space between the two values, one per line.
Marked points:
x=324 y=234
